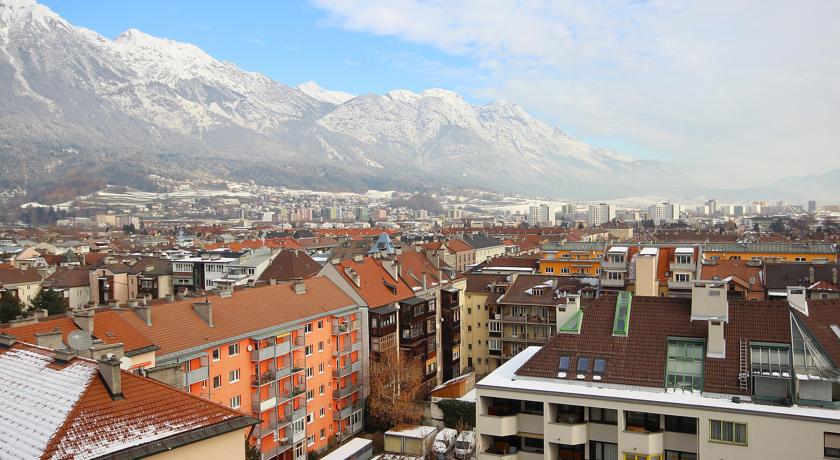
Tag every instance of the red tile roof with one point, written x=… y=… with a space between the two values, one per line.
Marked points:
x=456 y=245
x=176 y=326
x=740 y=268
x=14 y=276
x=414 y=265
x=68 y=277
x=375 y=282
x=290 y=264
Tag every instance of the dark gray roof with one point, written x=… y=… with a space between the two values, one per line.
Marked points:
x=780 y=276
x=802 y=248
x=479 y=241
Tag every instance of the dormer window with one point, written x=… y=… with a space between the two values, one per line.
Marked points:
x=537 y=291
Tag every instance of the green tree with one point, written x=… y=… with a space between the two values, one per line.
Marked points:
x=10 y=307
x=778 y=226
x=50 y=300
x=252 y=452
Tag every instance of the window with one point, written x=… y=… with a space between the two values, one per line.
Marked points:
x=310 y=371
x=685 y=365
x=321 y=346
x=233 y=349
x=832 y=445
x=320 y=324
x=632 y=456
x=478 y=360
x=494 y=344
x=603 y=450
x=308 y=350
x=299 y=451
x=309 y=418
x=532 y=407
x=532 y=444
x=599 y=368
x=469 y=328
x=469 y=311
x=564 y=270
x=606 y=416
x=321 y=390
x=216 y=354
x=310 y=395
x=677 y=455
x=731 y=432
x=298 y=425
x=235 y=401
x=549 y=269
x=679 y=424
x=307 y=328
x=495 y=326
x=321 y=413
x=310 y=440
x=233 y=376
x=217 y=381
x=321 y=368
x=682 y=277
x=641 y=421
x=799 y=259
x=567 y=413
x=323 y=433
x=583 y=364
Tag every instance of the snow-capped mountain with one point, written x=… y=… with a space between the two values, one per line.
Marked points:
x=140 y=104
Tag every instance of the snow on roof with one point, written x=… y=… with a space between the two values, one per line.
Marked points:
x=469 y=397
x=619 y=249
x=684 y=251
x=649 y=251
x=504 y=377
x=413 y=432
x=35 y=399
x=347 y=449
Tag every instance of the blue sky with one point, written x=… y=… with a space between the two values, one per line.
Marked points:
x=734 y=93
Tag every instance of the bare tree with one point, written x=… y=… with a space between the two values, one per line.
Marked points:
x=395 y=383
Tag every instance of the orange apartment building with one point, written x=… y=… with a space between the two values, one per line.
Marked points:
x=289 y=354
x=572 y=258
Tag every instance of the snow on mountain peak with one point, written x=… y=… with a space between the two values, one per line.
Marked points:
x=21 y=10
x=175 y=50
x=315 y=91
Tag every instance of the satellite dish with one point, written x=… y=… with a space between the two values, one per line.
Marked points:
x=250 y=348
x=125 y=363
x=79 y=340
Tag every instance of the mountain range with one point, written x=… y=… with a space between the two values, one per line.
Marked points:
x=79 y=108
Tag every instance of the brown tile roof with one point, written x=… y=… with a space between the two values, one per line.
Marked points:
x=639 y=359
x=108 y=326
x=151 y=266
x=414 y=265
x=554 y=287
x=14 y=276
x=290 y=264
x=375 y=282
x=85 y=421
x=68 y=277
x=479 y=282
x=176 y=326
x=741 y=268
x=821 y=315
x=456 y=245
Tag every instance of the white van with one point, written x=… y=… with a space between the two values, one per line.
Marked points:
x=465 y=445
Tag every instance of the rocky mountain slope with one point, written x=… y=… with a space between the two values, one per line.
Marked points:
x=77 y=104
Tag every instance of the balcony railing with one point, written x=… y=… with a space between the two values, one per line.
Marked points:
x=611 y=265
x=347 y=370
x=263 y=379
x=197 y=375
x=674 y=284
x=682 y=266
x=270 y=351
x=345 y=327
x=610 y=282
x=346 y=391
x=535 y=319
x=297 y=343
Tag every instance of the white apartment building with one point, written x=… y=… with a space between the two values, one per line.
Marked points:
x=665 y=212
x=601 y=213
x=540 y=215
x=653 y=378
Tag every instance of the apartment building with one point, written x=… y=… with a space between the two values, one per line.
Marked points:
x=744 y=278
x=198 y=273
x=58 y=405
x=73 y=284
x=23 y=284
x=481 y=291
x=289 y=354
x=485 y=247
x=615 y=268
x=154 y=277
x=660 y=378
x=525 y=314
x=600 y=213
x=821 y=280
x=572 y=258
x=113 y=284
x=778 y=252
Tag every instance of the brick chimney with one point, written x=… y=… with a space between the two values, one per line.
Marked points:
x=84 y=320
x=51 y=339
x=109 y=370
x=205 y=311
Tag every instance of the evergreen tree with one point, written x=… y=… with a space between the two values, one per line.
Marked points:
x=49 y=300
x=10 y=307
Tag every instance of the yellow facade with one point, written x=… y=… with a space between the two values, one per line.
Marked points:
x=570 y=262
x=475 y=335
x=781 y=252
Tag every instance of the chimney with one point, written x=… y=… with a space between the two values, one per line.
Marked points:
x=109 y=370
x=299 y=286
x=811 y=274
x=397 y=271
x=132 y=303
x=6 y=340
x=272 y=282
x=205 y=311
x=145 y=313
x=358 y=258
x=64 y=355
x=170 y=298
x=834 y=276
x=424 y=281
x=40 y=313
x=106 y=350
x=797 y=299
x=50 y=339
x=716 y=343
x=84 y=320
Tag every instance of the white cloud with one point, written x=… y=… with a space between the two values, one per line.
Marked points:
x=256 y=41
x=742 y=92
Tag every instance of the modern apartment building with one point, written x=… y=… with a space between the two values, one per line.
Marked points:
x=600 y=213
x=540 y=215
x=770 y=252
x=526 y=314
x=572 y=258
x=481 y=291
x=289 y=354
x=660 y=378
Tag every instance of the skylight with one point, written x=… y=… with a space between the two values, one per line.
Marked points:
x=564 y=363
x=600 y=366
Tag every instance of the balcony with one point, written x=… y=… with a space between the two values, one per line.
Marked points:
x=641 y=441
x=263 y=379
x=497 y=456
x=270 y=352
x=345 y=327
x=347 y=370
x=674 y=284
x=346 y=391
x=609 y=282
x=197 y=375
x=259 y=405
x=530 y=319
x=297 y=343
x=497 y=425
x=566 y=433
x=266 y=428
x=343 y=413
x=682 y=266
x=613 y=265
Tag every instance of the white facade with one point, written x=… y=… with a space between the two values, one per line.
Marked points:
x=540 y=215
x=665 y=212
x=601 y=213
